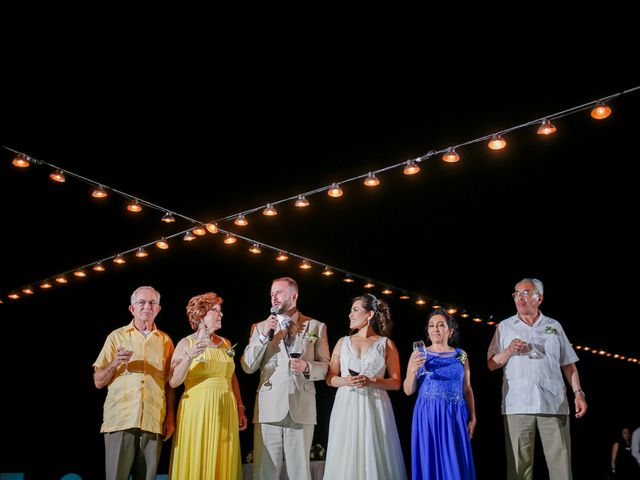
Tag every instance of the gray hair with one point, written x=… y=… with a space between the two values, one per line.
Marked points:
x=537 y=285
x=134 y=295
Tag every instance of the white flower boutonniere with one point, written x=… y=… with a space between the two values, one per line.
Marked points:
x=311 y=337
x=230 y=351
x=462 y=358
x=550 y=330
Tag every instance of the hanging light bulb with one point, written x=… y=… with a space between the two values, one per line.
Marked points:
x=348 y=278
x=162 y=244
x=141 y=252
x=168 y=218
x=57 y=176
x=452 y=311
x=421 y=301
x=229 y=239
x=61 y=279
x=282 y=257
x=497 y=143
x=327 y=272
x=134 y=206
x=119 y=259
x=269 y=211
x=99 y=267
x=199 y=231
x=21 y=161
x=451 y=156
x=600 y=111
x=404 y=297
x=99 y=192
x=13 y=296
x=45 y=285
x=411 y=168
x=369 y=284
x=335 y=191
x=301 y=202
x=386 y=291
x=241 y=221
x=477 y=319
x=255 y=249
x=189 y=236
x=371 y=180
x=305 y=265
x=212 y=228
x=27 y=291
x=546 y=128
x=80 y=273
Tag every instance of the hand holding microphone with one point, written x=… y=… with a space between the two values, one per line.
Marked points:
x=283 y=320
x=274 y=311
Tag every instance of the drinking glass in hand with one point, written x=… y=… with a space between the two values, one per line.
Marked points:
x=126 y=364
x=203 y=336
x=420 y=348
x=297 y=349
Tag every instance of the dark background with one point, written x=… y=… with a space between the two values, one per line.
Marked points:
x=208 y=141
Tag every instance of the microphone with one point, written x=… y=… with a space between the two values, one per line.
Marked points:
x=274 y=311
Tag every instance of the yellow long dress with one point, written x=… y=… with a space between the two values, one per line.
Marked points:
x=207 y=441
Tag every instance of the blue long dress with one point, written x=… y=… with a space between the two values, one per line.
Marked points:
x=440 y=446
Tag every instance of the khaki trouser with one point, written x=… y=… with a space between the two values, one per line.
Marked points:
x=134 y=452
x=520 y=438
x=273 y=442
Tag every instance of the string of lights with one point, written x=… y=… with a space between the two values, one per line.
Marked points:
x=599 y=110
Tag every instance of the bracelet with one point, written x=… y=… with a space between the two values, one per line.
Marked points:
x=579 y=392
x=242 y=407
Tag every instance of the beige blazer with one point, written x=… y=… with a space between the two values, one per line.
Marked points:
x=281 y=391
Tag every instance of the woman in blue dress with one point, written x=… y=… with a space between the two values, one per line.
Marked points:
x=444 y=415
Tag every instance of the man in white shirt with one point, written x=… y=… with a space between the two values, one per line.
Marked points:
x=534 y=352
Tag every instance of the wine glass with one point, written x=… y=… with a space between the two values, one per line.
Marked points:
x=126 y=364
x=354 y=367
x=420 y=348
x=297 y=348
x=202 y=335
x=534 y=351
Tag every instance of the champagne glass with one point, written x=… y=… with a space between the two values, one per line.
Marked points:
x=202 y=335
x=126 y=364
x=420 y=348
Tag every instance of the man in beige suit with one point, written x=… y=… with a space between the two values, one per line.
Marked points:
x=285 y=412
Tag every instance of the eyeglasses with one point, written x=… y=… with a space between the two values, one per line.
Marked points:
x=142 y=303
x=524 y=293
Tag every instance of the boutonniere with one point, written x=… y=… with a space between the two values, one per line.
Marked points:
x=462 y=358
x=550 y=330
x=230 y=351
x=312 y=337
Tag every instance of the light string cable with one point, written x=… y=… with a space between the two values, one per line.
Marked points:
x=212 y=226
x=349 y=276
x=304 y=195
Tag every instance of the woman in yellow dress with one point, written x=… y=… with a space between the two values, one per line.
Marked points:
x=210 y=414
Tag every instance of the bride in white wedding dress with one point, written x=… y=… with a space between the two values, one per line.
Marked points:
x=363 y=438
